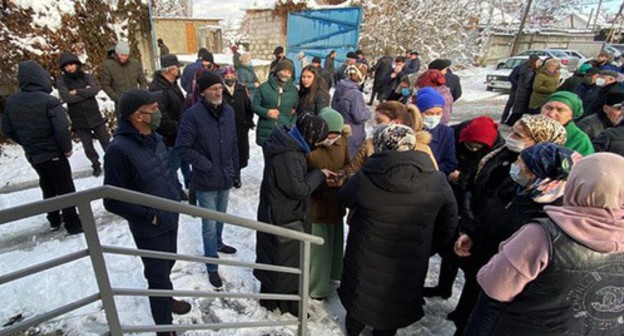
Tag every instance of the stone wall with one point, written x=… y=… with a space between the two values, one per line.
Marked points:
x=264 y=32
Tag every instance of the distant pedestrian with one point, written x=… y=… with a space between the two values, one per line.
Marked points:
x=452 y=80
x=78 y=89
x=280 y=57
x=38 y=122
x=205 y=60
x=120 y=73
x=164 y=50
x=235 y=95
x=413 y=63
x=247 y=75
x=524 y=89
x=329 y=63
x=382 y=69
x=235 y=57
x=137 y=160
x=545 y=83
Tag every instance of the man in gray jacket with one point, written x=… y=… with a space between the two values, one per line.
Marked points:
x=120 y=73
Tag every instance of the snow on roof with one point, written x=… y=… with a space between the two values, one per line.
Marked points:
x=203 y=18
x=498 y=17
x=312 y=4
x=47 y=13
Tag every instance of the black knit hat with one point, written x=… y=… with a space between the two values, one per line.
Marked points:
x=439 y=64
x=201 y=52
x=284 y=65
x=313 y=129
x=207 y=79
x=207 y=57
x=131 y=100
x=316 y=59
x=614 y=97
x=352 y=55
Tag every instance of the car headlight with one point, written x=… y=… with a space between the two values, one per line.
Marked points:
x=490 y=78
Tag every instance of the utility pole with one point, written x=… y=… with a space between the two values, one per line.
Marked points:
x=597 y=14
x=612 y=31
x=514 y=46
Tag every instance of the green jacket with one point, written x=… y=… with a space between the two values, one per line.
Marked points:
x=268 y=97
x=544 y=85
x=117 y=78
x=247 y=76
x=578 y=140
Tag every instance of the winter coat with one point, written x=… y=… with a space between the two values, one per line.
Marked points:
x=544 y=85
x=269 y=97
x=328 y=76
x=326 y=207
x=117 y=78
x=34 y=119
x=453 y=82
x=443 y=148
x=82 y=107
x=524 y=90
x=314 y=105
x=171 y=104
x=140 y=163
x=207 y=140
x=188 y=76
x=329 y=65
x=403 y=206
x=239 y=100
x=391 y=84
x=284 y=199
x=577 y=140
x=382 y=69
x=445 y=92
x=349 y=102
x=164 y=50
x=247 y=76
x=601 y=98
x=594 y=125
x=588 y=94
x=571 y=83
x=611 y=140
x=514 y=77
x=412 y=67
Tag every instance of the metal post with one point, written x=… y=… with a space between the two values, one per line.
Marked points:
x=516 y=41
x=304 y=288
x=153 y=35
x=99 y=267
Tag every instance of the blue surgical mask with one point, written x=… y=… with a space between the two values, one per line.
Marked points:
x=516 y=174
x=406 y=92
x=431 y=122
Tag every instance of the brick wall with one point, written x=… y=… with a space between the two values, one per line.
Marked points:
x=264 y=32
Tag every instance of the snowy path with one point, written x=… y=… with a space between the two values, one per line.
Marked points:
x=28 y=241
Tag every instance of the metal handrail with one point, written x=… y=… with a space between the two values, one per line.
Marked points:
x=95 y=251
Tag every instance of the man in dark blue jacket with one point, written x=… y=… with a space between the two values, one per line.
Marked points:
x=137 y=159
x=38 y=122
x=204 y=59
x=207 y=140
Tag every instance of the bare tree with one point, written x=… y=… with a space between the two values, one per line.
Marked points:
x=173 y=8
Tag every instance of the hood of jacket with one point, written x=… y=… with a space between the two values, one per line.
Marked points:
x=399 y=171
x=32 y=77
x=280 y=142
x=68 y=59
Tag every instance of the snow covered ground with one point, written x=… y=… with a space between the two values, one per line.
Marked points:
x=28 y=241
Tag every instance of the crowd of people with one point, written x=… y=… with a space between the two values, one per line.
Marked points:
x=535 y=218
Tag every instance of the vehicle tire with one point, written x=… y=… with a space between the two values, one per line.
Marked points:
x=489 y=88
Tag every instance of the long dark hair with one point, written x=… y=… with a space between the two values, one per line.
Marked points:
x=307 y=95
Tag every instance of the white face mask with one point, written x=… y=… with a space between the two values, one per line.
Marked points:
x=601 y=82
x=431 y=122
x=514 y=144
x=516 y=174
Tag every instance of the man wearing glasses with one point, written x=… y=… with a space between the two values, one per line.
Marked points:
x=207 y=140
x=137 y=159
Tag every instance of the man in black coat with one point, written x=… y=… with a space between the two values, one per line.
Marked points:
x=235 y=95
x=284 y=200
x=382 y=68
x=280 y=56
x=413 y=63
x=137 y=160
x=326 y=74
x=171 y=101
x=78 y=89
x=607 y=83
x=608 y=117
x=393 y=79
x=38 y=122
x=588 y=90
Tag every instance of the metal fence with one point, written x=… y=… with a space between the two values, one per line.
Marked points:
x=106 y=293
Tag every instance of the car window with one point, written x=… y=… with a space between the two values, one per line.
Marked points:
x=526 y=53
x=558 y=53
x=517 y=62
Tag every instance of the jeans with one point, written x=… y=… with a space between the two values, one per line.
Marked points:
x=212 y=230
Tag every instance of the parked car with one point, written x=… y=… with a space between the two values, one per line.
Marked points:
x=575 y=53
x=499 y=78
x=615 y=50
x=567 y=62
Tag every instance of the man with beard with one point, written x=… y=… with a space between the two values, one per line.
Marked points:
x=207 y=140
x=78 y=89
x=120 y=73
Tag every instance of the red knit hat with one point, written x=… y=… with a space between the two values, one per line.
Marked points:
x=482 y=130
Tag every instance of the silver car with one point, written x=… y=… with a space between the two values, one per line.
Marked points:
x=569 y=63
x=499 y=79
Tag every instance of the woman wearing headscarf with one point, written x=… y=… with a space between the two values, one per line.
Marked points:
x=564 y=107
x=562 y=274
x=313 y=94
x=492 y=173
x=284 y=197
x=475 y=139
x=247 y=75
x=235 y=95
x=545 y=83
x=387 y=113
x=402 y=206
x=436 y=80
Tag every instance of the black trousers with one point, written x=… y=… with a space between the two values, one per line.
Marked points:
x=55 y=178
x=469 y=296
x=157 y=272
x=355 y=327
x=99 y=133
x=508 y=106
